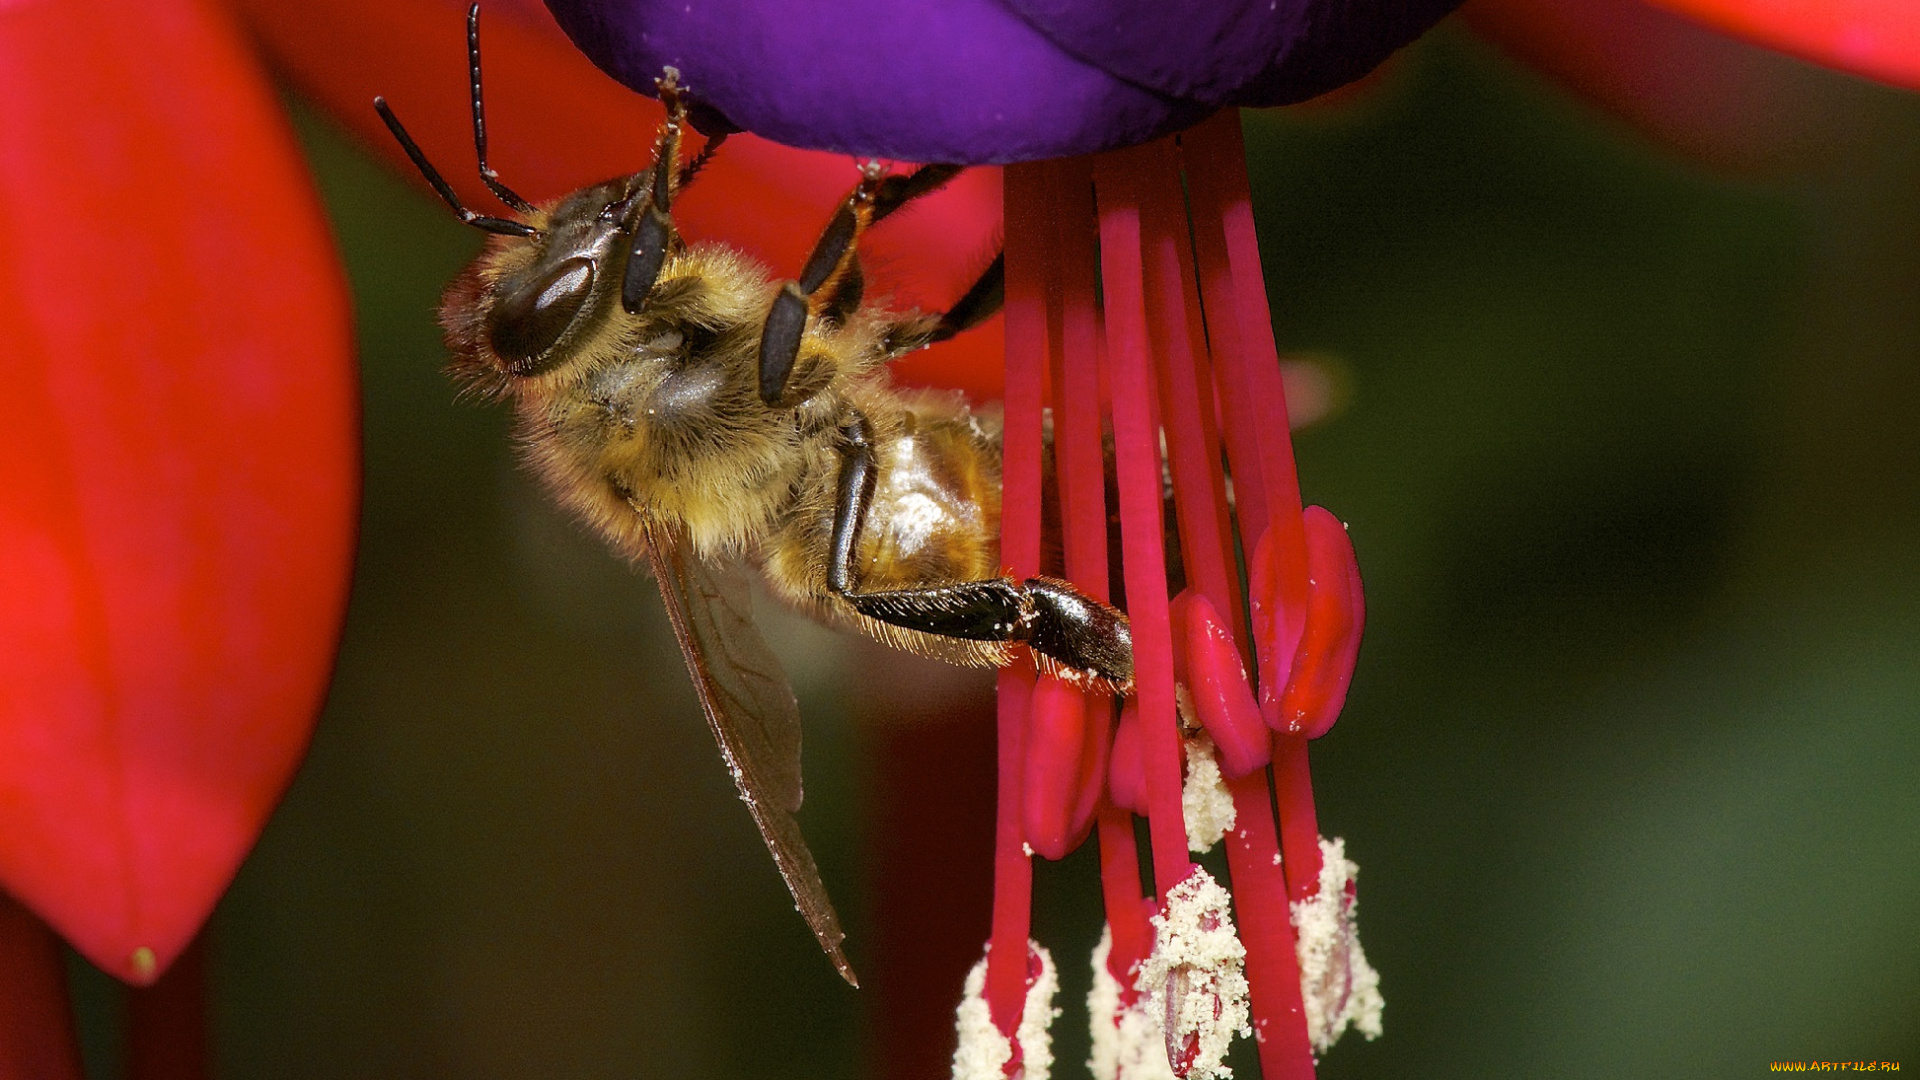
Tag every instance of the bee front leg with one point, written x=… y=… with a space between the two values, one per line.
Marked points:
x=831 y=283
x=653 y=235
x=1068 y=630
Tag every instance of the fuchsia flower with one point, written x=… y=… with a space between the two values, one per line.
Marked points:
x=1179 y=342
x=177 y=528
x=1025 y=84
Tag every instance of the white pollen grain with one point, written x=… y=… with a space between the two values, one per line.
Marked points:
x=1129 y=1042
x=982 y=1052
x=1204 y=798
x=1337 y=985
x=1198 y=960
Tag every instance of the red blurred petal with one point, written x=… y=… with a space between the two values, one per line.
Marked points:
x=177 y=527
x=1715 y=99
x=1876 y=38
x=36 y=1022
x=1658 y=65
x=556 y=123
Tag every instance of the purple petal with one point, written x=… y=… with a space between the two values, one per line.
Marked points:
x=977 y=81
x=1342 y=40
x=960 y=80
x=1203 y=52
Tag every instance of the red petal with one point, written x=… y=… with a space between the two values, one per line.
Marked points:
x=555 y=123
x=1725 y=102
x=1876 y=38
x=181 y=417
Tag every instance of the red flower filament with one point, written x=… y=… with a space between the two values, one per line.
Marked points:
x=1173 y=340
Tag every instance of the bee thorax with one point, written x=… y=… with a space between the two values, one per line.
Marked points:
x=618 y=393
x=687 y=397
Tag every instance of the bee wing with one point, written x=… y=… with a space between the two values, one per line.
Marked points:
x=750 y=706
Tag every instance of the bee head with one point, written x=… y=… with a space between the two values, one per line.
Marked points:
x=542 y=282
x=551 y=276
x=528 y=303
x=546 y=279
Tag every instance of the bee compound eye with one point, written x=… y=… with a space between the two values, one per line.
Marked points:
x=530 y=320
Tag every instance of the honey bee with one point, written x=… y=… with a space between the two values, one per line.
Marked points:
x=708 y=419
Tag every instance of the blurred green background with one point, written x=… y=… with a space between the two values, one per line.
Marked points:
x=1630 y=452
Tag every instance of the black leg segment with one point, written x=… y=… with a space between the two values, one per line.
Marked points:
x=780 y=342
x=837 y=241
x=648 y=253
x=897 y=191
x=977 y=306
x=1079 y=631
x=692 y=168
x=858 y=471
x=499 y=226
x=1065 y=626
x=830 y=283
x=649 y=215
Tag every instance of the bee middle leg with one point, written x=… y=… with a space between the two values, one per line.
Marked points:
x=1068 y=630
x=980 y=303
x=830 y=284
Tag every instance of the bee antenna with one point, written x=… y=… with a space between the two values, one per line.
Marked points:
x=491 y=178
x=501 y=226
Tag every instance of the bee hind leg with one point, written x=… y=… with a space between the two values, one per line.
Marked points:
x=830 y=283
x=1071 y=632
